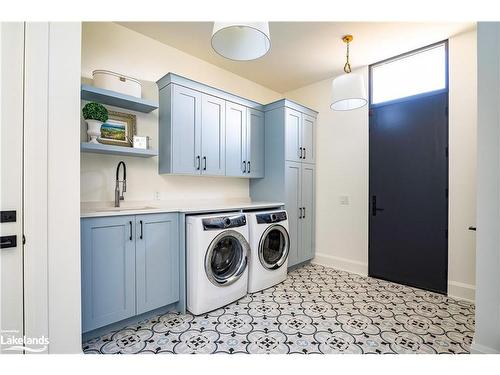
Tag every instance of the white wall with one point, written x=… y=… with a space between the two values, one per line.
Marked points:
x=114 y=47
x=462 y=164
x=342 y=158
x=487 y=332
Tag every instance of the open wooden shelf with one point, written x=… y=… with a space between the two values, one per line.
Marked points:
x=116 y=99
x=116 y=150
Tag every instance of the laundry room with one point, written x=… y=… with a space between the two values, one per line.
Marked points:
x=286 y=188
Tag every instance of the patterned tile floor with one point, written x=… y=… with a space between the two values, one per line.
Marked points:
x=315 y=310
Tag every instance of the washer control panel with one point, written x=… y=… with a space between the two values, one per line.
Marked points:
x=271 y=217
x=224 y=222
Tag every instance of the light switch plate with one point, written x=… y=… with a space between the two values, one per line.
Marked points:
x=344 y=200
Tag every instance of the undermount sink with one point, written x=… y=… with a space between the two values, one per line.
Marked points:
x=108 y=209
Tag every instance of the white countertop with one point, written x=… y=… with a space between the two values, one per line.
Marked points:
x=100 y=209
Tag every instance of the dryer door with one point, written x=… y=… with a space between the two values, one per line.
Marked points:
x=226 y=258
x=273 y=247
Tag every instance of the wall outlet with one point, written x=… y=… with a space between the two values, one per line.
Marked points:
x=344 y=200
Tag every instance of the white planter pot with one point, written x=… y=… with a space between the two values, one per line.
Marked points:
x=93 y=130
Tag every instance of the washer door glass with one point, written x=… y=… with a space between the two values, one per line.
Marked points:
x=274 y=246
x=226 y=258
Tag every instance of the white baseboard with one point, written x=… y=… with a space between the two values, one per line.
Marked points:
x=460 y=290
x=342 y=264
x=476 y=348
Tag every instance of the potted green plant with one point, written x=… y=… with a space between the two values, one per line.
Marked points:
x=95 y=115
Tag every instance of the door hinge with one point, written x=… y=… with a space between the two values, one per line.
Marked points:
x=24 y=239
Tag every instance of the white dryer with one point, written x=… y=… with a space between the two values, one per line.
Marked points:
x=217 y=252
x=270 y=245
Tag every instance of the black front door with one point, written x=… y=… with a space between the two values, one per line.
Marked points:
x=408 y=222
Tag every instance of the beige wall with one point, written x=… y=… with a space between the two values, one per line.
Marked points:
x=114 y=47
x=342 y=158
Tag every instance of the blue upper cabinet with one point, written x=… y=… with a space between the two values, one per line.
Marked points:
x=236 y=140
x=213 y=136
x=206 y=131
x=255 y=143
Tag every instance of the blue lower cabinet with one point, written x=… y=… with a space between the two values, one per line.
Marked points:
x=130 y=265
x=157 y=261
x=108 y=270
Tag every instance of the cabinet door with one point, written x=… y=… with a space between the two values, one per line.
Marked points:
x=157 y=261
x=108 y=270
x=236 y=151
x=306 y=251
x=292 y=204
x=307 y=136
x=255 y=143
x=293 y=121
x=186 y=131
x=213 y=135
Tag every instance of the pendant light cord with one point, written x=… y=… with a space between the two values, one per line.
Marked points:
x=347 y=66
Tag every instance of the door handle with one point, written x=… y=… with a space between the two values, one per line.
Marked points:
x=300 y=152
x=300 y=212
x=130 y=237
x=473 y=228
x=8 y=241
x=244 y=167
x=198 y=163
x=204 y=163
x=303 y=148
x=374 y=206
x=303 y=212
x=141 y=230
x=248 y=167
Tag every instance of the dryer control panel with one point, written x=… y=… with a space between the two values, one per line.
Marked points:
x=271 y=217
x=224 y=222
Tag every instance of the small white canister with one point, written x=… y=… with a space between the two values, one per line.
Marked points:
x=117 y=82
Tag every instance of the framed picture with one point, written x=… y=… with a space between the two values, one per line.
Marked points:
x=119 y=130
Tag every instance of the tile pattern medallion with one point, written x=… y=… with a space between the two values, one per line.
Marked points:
x=315 y=310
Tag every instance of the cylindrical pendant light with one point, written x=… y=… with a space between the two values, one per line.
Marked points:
x=348 y=90
x=241 y=41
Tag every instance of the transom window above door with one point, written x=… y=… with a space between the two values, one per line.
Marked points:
x=414 y=73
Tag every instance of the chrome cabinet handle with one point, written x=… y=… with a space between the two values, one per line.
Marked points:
x=300 y=152
x=141 y=230
x=304 y=152
x=244 y=167
x=204 y=163
x=300 y=212
x=130 y=237
x=248 y=167
x=303 y=212
x=198 y=163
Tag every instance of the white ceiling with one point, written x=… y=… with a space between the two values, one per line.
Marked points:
x=305 y=52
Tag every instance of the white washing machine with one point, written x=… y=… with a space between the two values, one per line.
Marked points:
x=270 y=245
x=217 y=252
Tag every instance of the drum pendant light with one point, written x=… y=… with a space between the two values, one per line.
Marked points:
x=348 y=90
x=241 y=41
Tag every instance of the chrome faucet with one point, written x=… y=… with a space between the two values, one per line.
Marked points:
x=119 y=196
